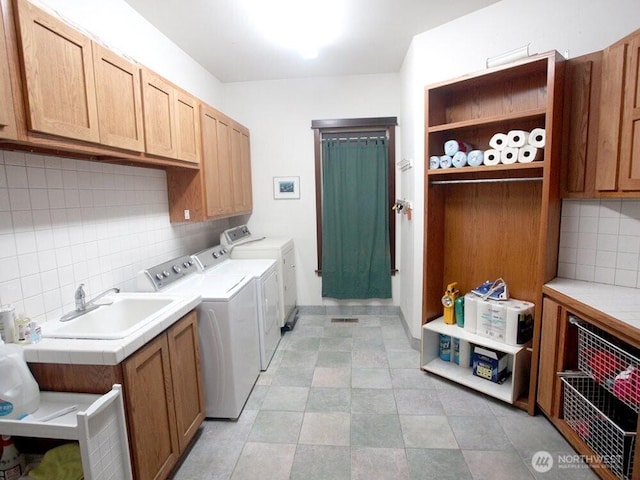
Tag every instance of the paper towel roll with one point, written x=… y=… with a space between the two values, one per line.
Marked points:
x=464 y=354
x=470 y=312
x=528 y=154
x=498 y=141
x=451 y=147
x=537 y=137
x=491 y=157
x=518 y=322
x=492 y=317
x=459 y=159
x=445 y=161
x=434 y=162
x=509 y=155
x=517 y=138
x=475 y=158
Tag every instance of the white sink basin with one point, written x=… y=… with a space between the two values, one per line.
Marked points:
x=119 y=319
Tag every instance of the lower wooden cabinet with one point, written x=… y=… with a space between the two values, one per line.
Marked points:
x=163 y=394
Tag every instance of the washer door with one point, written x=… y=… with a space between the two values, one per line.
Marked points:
x=271 y=315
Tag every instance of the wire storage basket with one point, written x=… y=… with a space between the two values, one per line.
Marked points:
x=610 y=362
x=605 y=423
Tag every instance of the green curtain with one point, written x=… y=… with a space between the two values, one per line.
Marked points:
x=356 y=261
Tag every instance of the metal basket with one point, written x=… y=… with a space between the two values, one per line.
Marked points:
x=610 y=362
x=604 y=423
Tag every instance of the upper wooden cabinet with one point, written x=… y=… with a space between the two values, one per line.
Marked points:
x=119 y=100
x=7 y=114
x=58 y=70
x=171 y=124
x=601 y=148
x=222 y=187
x=159 y=115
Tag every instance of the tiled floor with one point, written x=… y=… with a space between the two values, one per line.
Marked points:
x=348 y=401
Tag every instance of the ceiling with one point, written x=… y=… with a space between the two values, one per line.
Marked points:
x=220 y=36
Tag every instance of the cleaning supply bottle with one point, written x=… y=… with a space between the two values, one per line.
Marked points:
x=12 y=462
x=19 y=392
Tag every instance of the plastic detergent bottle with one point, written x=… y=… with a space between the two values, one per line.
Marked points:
x=19 y=392
x=12 y=462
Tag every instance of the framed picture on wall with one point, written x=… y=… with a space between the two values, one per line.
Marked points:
x=286 y=188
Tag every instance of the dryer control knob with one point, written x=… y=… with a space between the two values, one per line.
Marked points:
x=166 y=273
x=177 y=269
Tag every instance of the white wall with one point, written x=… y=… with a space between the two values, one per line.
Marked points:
x=279 y=115
x=462 y=46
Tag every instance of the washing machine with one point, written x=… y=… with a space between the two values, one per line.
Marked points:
x=216 y=261
x=243 y=245
x=228 y=329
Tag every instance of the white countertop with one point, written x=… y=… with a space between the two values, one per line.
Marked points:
x=618 y=303
x=106 y=352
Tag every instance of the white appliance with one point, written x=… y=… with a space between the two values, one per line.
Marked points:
x=242 y=244
x=215 y=261
x=228 y=326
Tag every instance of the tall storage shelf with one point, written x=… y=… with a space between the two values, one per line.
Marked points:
x=488 y=222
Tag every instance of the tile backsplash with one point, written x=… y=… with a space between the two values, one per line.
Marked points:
x=64 y=222
x=600 y=241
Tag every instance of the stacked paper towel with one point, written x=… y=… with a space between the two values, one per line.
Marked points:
x=515 y=146
x=507 y=321
x=456 y=154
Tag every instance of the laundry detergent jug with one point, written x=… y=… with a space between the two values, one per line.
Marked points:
x=19 y=392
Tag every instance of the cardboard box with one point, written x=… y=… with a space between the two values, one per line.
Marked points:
x=489 y=364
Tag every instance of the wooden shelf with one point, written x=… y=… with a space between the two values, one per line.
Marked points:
x=534 y=114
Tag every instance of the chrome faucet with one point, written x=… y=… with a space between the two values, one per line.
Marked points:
x=82 y=306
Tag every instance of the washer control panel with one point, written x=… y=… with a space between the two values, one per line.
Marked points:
x=168 y=272
x=210 y=257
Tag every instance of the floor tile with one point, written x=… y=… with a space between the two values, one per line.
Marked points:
x=293 y=377
x=276 y=427
x=336 y=344
x=326 y=428
x=418 y=401
x=437 y=464
x=299 y=359
x=331 y=377
x=378 y=464
x=303 y=343
x=479 y=433
x=427 y=431
x=373 y=400
x=410 y=378
x=334 y=359
x=321 y=462
x=370 y=378
x=260 y=460
x=530 y=434
x=293 y=399
x=338 y=331
x=496 y=465
x=402 y=359
x=369 y=359
x=329 y=399
x=381 y=431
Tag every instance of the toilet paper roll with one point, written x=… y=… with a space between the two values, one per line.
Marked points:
x=499 y=141
x=517 y=138
x=528 y=154
x=445 y=161
x=451 y=147
x=492 y=318
x=434 y=162
x=475 y=158
x=509 y=155
x=470 y=312
x=491 y=157
x=537 y=137
x=459 y=159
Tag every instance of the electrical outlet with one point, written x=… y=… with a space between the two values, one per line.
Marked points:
x=187 y=215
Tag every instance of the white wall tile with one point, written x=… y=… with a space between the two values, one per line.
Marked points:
x=607 y=245
x=16 y=176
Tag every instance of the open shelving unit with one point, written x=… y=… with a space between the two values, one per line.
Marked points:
x=97 y=423
x=486 y=222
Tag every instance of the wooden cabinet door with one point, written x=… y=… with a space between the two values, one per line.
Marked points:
x=150 y=410
x=158 y=102
x=184 y=350
x=58 y=70
x=187 y=127
x=119 y=100
x=611 y=101
x=629 y=174
x=582 y=85
x=7 y=114
x=547 y=377
x=218 y=174
x=241 y=169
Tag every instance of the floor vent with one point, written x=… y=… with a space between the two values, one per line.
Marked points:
x=344 y=320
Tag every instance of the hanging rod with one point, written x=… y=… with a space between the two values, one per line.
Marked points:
x=486 y=180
